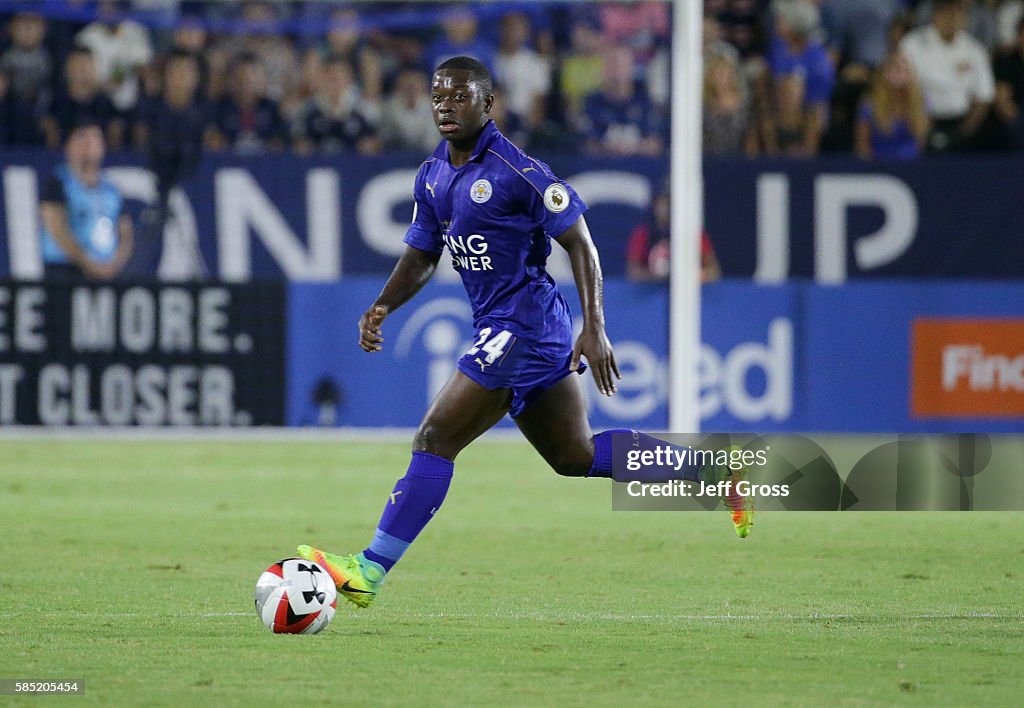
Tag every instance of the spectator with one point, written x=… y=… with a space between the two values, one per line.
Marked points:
x=857 y=31
x=264 y=39
x=786 y=129
x=582 y=68
x=795 y=52
x=246 y=120
x=80 y=100
x=28 y=68
x=1008 y=16
x=344 y=40
x=525 y=75
x=741 y=23
x=892 y=122
x=729 y=124
x=172 y=127
x=408 y=122
x=714 y=40
x=979 y=19
x=647 y=250
x=331 y=120
x=120 y=47
x=460 y=37
x=190 y=37
x=620 y=119
x=1009 y=102
x=84 y=232
x=955 y=76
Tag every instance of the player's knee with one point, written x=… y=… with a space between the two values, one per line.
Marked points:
x=570 y=466
x=429 y=439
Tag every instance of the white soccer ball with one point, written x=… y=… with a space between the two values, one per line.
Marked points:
x=295 y=596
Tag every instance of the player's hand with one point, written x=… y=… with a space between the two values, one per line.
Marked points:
x=370 y=335
x=594 y=344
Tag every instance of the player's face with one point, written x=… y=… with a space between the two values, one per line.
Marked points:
x=460 y=106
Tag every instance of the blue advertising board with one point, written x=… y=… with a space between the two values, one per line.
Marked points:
x=792 y=358
x=323 y=218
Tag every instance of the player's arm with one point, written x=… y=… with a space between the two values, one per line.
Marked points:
x=411 y=273
x=54 y=214
x=593 y=342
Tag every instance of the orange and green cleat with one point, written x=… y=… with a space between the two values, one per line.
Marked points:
x=740 y=506
x=356 y=577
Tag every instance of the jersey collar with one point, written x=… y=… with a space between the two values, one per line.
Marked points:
x=487 y=137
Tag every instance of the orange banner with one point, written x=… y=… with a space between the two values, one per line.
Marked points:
x=967 y=368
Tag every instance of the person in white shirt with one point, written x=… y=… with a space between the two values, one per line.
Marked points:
x=955 y=75
x=524 y=74
x=120 y=47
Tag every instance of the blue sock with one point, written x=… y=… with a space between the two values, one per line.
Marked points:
x=611 y=447
x=412 y=504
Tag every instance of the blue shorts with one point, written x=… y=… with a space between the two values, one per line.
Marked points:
x=505 y=361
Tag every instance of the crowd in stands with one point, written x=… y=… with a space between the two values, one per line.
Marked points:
x=175 y=78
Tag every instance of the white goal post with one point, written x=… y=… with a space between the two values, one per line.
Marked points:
x=687 y=199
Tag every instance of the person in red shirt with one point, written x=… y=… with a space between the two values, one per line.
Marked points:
x=647 y=252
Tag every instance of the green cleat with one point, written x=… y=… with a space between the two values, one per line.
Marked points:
x=740 y=506
x=357 y=578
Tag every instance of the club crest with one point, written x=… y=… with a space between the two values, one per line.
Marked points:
x=481 y=191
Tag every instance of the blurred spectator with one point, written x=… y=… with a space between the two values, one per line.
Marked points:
x=1008 y=16
x=742 y=22
x=84 y=232
x=714 y=42
x=119 y=47
x=582 y=68
x=408 y=122
x=460 y=38
x=979 y=19
x=344 y=40
x=639 y=26
x=79 y=100
x=190 y=37
x=264 y=39
x=620 y=119
x=796 y=53
x=171 y=127
x=648 y=252
x=857 y=31
x=331 y=120
x=892 y=122
x=955 y=76
x=28 y=70
x=246 y=120
x=525 y=75
x=1009 y=102
x=786 y=130
x=305 y=87
x=729 y=124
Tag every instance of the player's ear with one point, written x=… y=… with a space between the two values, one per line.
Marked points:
x=488 y=103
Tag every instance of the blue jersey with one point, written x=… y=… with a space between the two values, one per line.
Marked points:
x=497 y=215
x=93 y=213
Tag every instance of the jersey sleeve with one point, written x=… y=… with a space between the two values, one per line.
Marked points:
x=551 y=203
x=424 y=232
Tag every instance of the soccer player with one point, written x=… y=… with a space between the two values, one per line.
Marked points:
x=496 y=210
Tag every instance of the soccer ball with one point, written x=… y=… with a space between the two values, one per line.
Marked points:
x=295 y=596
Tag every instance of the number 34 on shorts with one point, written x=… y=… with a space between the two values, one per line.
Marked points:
x=491 y=348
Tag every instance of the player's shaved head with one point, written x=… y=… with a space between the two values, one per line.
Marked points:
x=478 y=73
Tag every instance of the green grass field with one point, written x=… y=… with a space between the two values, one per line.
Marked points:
x=131 y=565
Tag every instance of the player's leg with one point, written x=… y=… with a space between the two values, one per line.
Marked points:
x=461 y=412
x=556 y=425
